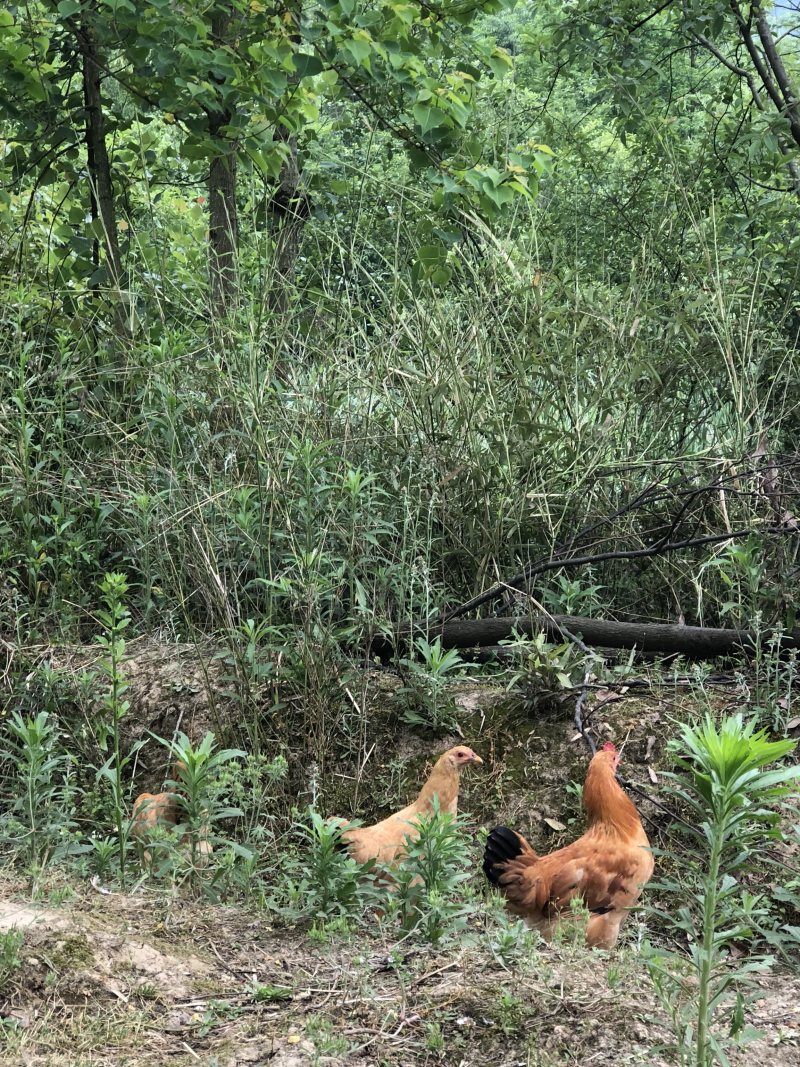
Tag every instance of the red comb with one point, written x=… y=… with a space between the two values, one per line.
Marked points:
x=609 y=746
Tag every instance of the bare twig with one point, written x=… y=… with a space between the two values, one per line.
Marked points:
x=658 y=549
x=579 y=724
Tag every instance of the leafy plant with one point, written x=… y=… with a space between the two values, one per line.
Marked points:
x=253 y=651
x=104 y=854
x=268 y=993
x=429 y=676
x=255 y=786
x=430 y=880
x=332 y=883
x=39 y=821
x=116 y=618
x=10 y=958
x=742 y=569
x=540 y=670
x=571 y=597
x=511 y=940
x=724 y=782
x=202 y=806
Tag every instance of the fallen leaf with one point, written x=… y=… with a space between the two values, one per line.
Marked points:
x=554 y=824
x=792 y=724
x=607 y=696
x=293 y=1039
x=652 y=775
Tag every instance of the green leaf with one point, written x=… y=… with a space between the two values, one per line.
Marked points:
x=360 y=49
x=499 y=62
x=429 y=256
x=307 y=65
x=428 y=117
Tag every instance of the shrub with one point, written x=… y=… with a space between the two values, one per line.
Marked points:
x=723 y=781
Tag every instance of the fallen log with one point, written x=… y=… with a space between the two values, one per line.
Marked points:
x=697 y=642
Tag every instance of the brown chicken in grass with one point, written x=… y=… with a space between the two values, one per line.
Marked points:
x=151 y=810
x=606 y=868
x=384 y=842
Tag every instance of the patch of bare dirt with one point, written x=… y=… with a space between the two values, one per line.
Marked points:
x=87 y=958
x=147 y=980
x=172 y=686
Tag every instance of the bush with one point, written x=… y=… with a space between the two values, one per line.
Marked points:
x=38 y=824
x=430 y=879
x=724 y=783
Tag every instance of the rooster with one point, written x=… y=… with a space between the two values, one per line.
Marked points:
x=384 y=842
x=606 y=868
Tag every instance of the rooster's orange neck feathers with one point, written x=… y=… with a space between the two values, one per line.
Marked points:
x=607 y=804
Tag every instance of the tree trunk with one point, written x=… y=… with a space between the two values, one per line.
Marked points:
x=289 y=210
x=697 y=642
x=770 y=66
x=289 y=205
x=743 y=26
x=223 y=220
x=101 y=190
x=223 y=229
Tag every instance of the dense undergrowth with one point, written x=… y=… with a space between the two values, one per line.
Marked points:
x=438 y=443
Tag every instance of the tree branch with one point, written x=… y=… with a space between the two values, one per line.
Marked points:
x=643 y=21
x=776 y=63
x=740 y=72
x=763 y=72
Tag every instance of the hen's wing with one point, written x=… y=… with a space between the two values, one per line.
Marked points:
x=383 y=842
x=152 y=808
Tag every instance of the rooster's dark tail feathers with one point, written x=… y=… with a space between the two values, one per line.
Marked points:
x=502 y=845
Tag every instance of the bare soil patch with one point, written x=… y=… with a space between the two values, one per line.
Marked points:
x=147 y=979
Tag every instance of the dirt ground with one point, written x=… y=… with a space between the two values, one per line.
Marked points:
x=146 y=979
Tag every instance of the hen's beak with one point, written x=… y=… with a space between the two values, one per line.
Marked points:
x=476 y=758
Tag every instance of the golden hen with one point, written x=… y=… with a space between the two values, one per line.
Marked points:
x=606 y=868
x=384 y=842
x=151 y=810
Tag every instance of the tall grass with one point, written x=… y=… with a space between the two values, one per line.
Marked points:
x=380 y=449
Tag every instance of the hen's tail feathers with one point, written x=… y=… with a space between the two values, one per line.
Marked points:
x=502 y=845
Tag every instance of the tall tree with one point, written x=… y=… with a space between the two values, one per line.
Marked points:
x=223 y=214
x=241 y=79
x=101 y=190
x=53 y=66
